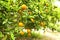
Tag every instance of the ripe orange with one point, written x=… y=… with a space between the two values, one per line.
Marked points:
x=28 y=31
x=21 y=24
x=29 y=34
x=24 y=7
x=32 y=19
x=42 y=24
x=21 y=32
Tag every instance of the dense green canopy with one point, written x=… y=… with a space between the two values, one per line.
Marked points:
x=38 y=14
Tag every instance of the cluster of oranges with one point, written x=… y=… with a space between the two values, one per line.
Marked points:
x=23 y=7
x=21 y=24
x=22 y=33
x=28 y=32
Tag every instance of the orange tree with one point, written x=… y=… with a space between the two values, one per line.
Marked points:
x=16 y=15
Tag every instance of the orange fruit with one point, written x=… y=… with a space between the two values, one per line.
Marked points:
x=42 y=24
x=24 y=7
x=21 y=32
x=32 y=19
x=28 y=31
x=29 y=34
x=21 y=24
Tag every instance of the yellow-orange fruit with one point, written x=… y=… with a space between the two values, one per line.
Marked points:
x=42 y=24
x=21 y=32
x=29 y=34
x=21 y=24
x=32 y=19
x=24 y=7
x=28 y=31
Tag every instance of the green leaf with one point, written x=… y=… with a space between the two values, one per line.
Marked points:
x=1 y=35
x=12 y=36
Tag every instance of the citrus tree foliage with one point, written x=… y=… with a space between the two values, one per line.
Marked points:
x=18 y=14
